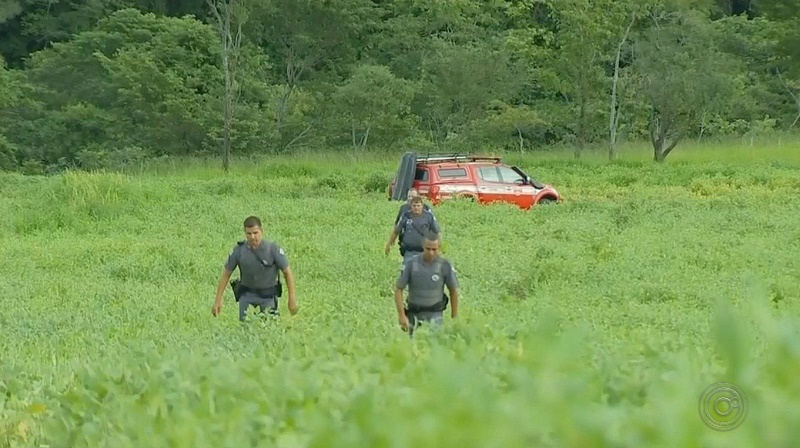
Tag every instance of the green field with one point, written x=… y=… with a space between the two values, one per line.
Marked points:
x=597 y=322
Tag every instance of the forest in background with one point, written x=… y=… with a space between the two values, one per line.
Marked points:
x=90 y=84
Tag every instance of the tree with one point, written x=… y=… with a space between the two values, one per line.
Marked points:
x=507 y=124
x=786 y=17
x=373 y=98
x=310 y=42
x=683 y=74
x=9 y=98
x=458 y=84
x=587 y=31
x=230 y=16
x=613 y=116
x=134 y=80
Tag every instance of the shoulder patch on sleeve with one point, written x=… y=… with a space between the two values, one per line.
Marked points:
x=276 y=248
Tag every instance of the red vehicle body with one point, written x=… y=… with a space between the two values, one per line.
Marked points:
x=483 y=179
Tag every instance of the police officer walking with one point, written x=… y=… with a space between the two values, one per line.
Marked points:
x=259 y=284
x=426 y=275
x=412 y=227
x=406 y=207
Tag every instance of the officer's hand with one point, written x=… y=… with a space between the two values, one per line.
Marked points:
x=292 y=307
x=387 y=248
x=403 y=320
x=216 y=309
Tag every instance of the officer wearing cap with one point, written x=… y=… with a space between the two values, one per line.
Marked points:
x=259 y=284
x=412 y=227
x=425 y=275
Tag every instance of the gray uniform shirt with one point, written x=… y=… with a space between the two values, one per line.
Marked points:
x=253 y=273
x=406 y=208
x=425 y=281
x=413 y=228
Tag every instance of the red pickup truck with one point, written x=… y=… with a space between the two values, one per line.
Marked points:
x=482 y=179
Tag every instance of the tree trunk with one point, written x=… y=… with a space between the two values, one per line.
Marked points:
x=657 y=135
x=293 y=70
x=222 y=11
x=353 y=133
x=366 y=135
x=227 y=114
x=659 y=132
x=658 y=145
x=702 y=127
x=581 y=126
x=613 y=117
x=794 y=97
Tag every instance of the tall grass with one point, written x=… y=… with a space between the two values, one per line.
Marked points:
x=594 y=323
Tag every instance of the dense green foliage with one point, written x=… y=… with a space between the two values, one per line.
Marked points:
x=105 y=83
x=593 y=323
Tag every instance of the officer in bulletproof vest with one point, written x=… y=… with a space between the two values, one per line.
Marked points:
x=425 y=275
x=411 y=228
x=406 y=207
x=259 y=262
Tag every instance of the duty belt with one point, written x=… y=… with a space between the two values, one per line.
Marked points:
x=261 y=292
x=440 y=306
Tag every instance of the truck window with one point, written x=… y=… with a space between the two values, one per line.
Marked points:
x=452 y=172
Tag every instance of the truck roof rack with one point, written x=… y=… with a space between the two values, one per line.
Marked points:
x=455 y=158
